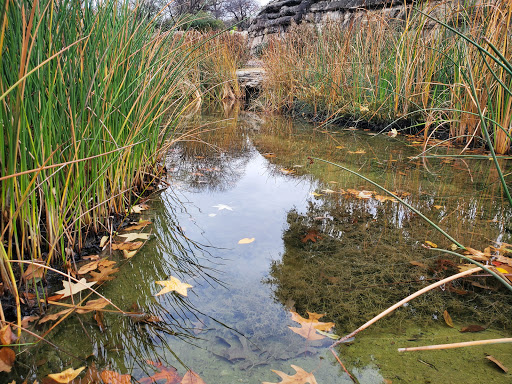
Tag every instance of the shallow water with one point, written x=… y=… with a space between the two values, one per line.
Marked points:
x=254 y=180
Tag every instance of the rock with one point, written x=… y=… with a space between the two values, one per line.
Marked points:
x=251 y=78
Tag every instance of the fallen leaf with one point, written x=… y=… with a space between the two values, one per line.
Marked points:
x=139 y=225
x=128 y=237
x=192 y=378
x=431 y=244
x=316 y=194
x=383 y=199
x=169 y=374
x=105 y=274
x=454 y=247
x=393 y=132
x=110 y=377
x=310 y=326
x=105 y=263
x=128 y=254
x=447 y=319
x=139 y=208
x=104 y=240
x=312 y=235
x=73 y=288
x=66 y=376
x=127 y=246
x=497 y=362
x=246 y=240
x=269 y=155
x=340 y=147
x=55 y=316
x=300 y=377
x=98 y=316
x=93 y=305
x=364 y=195
x=88 y=268
x=364 y=108
x=91 y=257
x=438 y=206
x=6 y=335
x=358 y=152
x=473 y=328
x=7 y=357
x=33 y=271
x=418 y=264
x=173 y=284
x=223 y=206
x=27 y=320
x=287 y=171
x=328 y=191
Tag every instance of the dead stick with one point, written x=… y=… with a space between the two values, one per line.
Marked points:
x=343 y=366
x=402 y=302
x=456 y=345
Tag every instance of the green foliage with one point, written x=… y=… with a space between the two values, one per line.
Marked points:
x=201 y=21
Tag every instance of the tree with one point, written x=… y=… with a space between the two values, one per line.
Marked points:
x=240 y=10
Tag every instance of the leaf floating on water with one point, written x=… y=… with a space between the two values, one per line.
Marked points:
x=300 y=377
x=141 y=224
x=73 y=288
x=497 y=362
x=192 y=378
x=173 y=284
x=127 y=246
x=312 y=235
x=438 y=206
x=316 y=194
x=310 y=326
x=93 y=305
x=105 y=273
x=383 y=199
x=364 y=195
x=223 y=206
x=7 y=357
x=110 y=377
x=269 y=155
x=128 y=254
x=128 y=237
x=66 y=376
x=358 y=152
x=473 y=328
x=104 y=240
x=246 y=240
x=54 y=317
x=88 y=268
x=139 y=208
x=329 y=335
x=447 y=319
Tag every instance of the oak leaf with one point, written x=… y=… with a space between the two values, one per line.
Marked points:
x=128 y=237
x=127 y=246
x=66 y=376
x=7 y=357
x=310 y=326
x=173 y=284
x=300 y=377
x=137 y=226
x=104 y=274
x=93 y=305
x=312 y=235
x=88 y=268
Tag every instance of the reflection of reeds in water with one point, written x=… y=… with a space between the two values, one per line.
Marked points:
x=414 y=68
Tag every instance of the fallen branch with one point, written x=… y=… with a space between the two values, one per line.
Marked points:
x=456 y=345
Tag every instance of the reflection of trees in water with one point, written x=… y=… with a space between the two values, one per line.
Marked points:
x=129 y=341
x=361 y=265
x=214 y=159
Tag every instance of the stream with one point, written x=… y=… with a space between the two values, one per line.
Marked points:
x=319 y=240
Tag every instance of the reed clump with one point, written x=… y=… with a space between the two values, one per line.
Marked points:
x=412 y=68
x=90 y=95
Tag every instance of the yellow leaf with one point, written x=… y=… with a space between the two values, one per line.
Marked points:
x=246 y=240
x=364 y=108
x=66 y=376
x=128 y=254
x=358 y=152
x=433 y=245
x=104 y=241
x=393 y=133
x=454 y=247
x=316 y=194
x=310 y=326
x=502 y=270
x=173 y=285
x=132 y=236
x=447 y=318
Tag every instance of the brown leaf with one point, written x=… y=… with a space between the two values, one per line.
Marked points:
x=312 y=235
x=310 y=326
x=129 y=254
x=105 y=263
x=6 y=335
x=497 y=362
x=110 y=377
x=104 y=274
x=55 y=316
x=192 y=378
x=170 y=374
x=93 y=305
x=66 y=376
x=128 y=246
x=73 y=288
x=447 y=318
x=33 y=271
x=98 y=316
x=300 y=377
x=28 y=319
x=7 y=357
x=139 y=225
x=473 y=328
x=418 y=264
x=87 y=268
